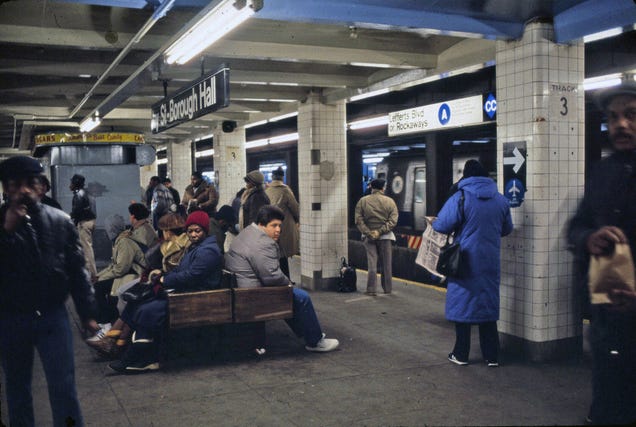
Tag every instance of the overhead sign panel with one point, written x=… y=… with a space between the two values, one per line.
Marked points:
x=203 y=96
x=449 y=114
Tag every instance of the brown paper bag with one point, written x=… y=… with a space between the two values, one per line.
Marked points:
x=613 y=271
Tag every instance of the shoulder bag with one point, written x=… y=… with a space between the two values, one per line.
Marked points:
x=449 y=262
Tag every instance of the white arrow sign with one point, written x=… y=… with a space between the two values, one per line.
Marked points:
x=517 y=160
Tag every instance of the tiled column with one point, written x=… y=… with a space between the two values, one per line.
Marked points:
x=229 y=162
x=180 y=164
x=540 y=314
x=322 y=162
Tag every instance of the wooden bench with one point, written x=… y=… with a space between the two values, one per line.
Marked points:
x=234 y=305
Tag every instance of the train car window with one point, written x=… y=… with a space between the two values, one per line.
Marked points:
x=420 y=186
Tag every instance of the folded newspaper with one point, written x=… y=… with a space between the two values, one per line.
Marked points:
x=432 y=241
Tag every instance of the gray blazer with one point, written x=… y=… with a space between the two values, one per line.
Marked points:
x=253 y=257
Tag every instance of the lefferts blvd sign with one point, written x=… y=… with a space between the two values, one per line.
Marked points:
x=205 y=95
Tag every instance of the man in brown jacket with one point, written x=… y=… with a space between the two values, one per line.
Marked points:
x=199 y=194
x=376 y=215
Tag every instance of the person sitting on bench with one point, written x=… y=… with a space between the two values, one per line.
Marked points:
x=253 y=257
x=199 y=269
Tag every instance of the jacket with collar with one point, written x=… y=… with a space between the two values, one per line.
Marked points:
x=37 y=278
x=376 y=212
x=82 y=207
x=199 y=269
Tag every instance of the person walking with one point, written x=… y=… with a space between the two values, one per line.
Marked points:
x=480 y=216
x=42 y=263
x=606 y=216
x=83 y=215
x=281 y=195
x=376 y=215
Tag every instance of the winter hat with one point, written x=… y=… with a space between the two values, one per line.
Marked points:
x=474 y=168
x=171 y=221
x=604 y=97
x=78 y=180
x=255 y=177
x=378 y=184
x=19 y=167
x=278 y=173
x=199 y=218
x=226 y=213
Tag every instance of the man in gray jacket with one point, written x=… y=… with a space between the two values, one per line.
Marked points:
x=376 y=215
x=254 y=258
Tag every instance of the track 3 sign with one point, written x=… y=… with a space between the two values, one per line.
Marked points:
x=205 y=95
x=514 y=171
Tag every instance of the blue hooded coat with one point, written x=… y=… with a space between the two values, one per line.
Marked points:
x=474 y=297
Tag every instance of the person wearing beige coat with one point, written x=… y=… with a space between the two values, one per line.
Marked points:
x=280 y=195
x=376 y=215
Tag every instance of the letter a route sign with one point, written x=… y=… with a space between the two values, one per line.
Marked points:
x=514 y=172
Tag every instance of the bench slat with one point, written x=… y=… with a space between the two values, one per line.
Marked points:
x=261 y=304
x=200 y=308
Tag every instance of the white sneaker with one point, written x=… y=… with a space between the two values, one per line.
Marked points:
x=324 y=345
x=103 y=328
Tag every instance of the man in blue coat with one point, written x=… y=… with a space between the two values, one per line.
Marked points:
x=479 y=221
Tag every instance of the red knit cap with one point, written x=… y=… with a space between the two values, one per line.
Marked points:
x=199 y=218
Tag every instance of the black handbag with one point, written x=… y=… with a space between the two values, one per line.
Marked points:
x=138 y=292
x=450 y=262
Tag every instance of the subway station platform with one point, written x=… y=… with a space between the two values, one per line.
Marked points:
x=390 y=369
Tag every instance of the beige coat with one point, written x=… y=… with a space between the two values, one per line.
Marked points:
x=127 y=262
x=281 y=195
x=376 y=212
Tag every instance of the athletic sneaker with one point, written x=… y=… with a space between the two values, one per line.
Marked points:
x=324 y=345
x=103 y=328
x=455 y=360
x=492 y=363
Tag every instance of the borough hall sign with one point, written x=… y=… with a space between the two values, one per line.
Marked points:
x=203 y=96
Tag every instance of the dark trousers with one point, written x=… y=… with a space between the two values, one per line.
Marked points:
x=488 y=340
x=106 y=304
x=50 y=333
x=613 y=341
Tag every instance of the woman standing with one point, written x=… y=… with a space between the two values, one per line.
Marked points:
x=480 y=216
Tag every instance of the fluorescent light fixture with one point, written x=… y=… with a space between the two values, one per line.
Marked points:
x=369 y=123
x=204 y=153
x=382 y=154
x=601 y=82
x=274 y=140
x=370 y=64
x=373 y=160
x=218 y=20
x=89 y=124
x=283 y=117
x=369 y=94
x=602 y=35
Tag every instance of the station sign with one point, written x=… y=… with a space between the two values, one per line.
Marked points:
x=203 y=96
x=514 y=172
x=468 y=111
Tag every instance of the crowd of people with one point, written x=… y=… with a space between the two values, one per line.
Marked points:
x=174 y=244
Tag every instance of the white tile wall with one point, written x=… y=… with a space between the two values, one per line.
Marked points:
x=536 y=285
x=323 y=237
x=229 y=162
x=180 y=165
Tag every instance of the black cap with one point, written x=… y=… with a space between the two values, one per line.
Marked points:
x=378 y=184
x=278 y=173
x=604 y=97
x=474 y=168
x=20 y=167
x=78 y=180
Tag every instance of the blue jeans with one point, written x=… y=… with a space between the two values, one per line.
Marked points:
x=51 y=334
x=305 y=322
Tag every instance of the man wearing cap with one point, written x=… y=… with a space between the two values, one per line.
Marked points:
x=42 y=263
x=253 y=198
x=376 y=215
x=83 y=215
x=199 y=269
x=606 y=216
x=281 y=195
x=222 y=222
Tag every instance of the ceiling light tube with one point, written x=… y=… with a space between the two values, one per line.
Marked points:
x=601 y=82
x=369 y=123
x=222 y=18
x=89 y=124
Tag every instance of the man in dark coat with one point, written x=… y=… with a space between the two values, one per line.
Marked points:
x=253 y=198
x=606 y=216
x=83 y=215
x=42 y=263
